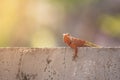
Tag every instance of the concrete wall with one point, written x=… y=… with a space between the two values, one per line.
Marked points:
x=57 y=64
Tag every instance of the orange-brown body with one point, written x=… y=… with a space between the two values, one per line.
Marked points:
x=74 y=43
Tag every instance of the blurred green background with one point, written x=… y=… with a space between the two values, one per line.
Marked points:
x=41 y=23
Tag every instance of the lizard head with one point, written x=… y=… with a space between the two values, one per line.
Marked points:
x=67 y=38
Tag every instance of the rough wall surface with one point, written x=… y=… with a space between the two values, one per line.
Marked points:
x=57 y=64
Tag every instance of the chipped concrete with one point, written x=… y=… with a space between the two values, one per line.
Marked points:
x=57 y=64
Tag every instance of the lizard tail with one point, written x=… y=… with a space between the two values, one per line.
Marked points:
x=89 y=44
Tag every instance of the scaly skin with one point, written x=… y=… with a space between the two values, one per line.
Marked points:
x=74 y=43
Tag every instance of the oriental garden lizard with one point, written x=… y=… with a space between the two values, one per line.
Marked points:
x=74 y=43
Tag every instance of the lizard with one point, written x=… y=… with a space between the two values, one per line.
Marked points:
x=74 y=43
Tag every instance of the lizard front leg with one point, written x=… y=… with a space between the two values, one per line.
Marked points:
x=75 y=54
